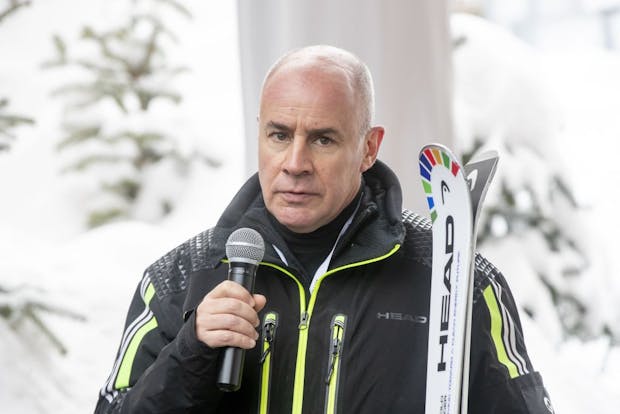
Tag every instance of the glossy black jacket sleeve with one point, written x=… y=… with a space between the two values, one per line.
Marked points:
x=502 y=378
x=170 y=371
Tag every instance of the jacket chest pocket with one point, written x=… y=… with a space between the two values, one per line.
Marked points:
x=336 y=348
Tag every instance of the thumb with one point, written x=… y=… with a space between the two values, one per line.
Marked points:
x=260 y=302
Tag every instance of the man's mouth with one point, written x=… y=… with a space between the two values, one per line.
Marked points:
x=295 y=197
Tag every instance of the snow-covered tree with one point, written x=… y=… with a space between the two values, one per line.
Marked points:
x=531 y=222
x=124 y=80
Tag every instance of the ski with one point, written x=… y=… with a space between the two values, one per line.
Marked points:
x=479 y=173
x=454 y=197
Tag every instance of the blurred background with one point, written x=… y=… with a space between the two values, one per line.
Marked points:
x=127 y=126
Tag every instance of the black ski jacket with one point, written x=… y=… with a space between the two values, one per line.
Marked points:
x=356 y=344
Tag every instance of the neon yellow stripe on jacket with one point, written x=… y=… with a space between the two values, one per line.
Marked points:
x=496 y=332
x=124 y=373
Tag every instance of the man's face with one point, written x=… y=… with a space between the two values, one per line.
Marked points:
x=311 y=153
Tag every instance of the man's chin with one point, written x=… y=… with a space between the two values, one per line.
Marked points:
x=298 y=223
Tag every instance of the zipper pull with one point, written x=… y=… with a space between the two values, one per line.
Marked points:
x=269 y=332
x=303 y=323
x=333 y=355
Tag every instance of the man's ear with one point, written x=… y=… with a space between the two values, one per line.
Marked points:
x=372 y=142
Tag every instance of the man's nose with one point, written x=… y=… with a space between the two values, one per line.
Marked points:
x=298 y=158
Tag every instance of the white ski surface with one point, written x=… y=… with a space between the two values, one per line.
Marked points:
x=455 y=197
x=450 y=206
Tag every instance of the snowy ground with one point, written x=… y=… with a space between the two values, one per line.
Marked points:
x=49 y=258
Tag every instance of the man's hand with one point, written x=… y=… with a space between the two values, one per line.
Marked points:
x=228 y=316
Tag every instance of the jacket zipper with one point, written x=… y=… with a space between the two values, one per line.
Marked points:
x=302 y=340
x=332 y=379
x=270 y=325
x=305 y=313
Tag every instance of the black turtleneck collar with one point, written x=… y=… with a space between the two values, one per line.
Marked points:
x=311 y=249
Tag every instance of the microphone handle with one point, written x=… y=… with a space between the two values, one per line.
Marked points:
x=232 y=358
x=243 y=273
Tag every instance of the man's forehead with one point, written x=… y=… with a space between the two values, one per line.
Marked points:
x=318 y=86
x=306 y=109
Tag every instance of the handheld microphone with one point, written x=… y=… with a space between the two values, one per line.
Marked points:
x=245 y=249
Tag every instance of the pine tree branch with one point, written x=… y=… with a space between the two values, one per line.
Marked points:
x=101 y=71
x=79 y=135
x=92 y=93
x=9 y=121
x=12 y=8
x=132 y=70
x=90 y=160
x=140 y=139
x=60 y=48
x=100 y=217
x=16 y=308
x=126 y=188
x=102 y=41
x=30 y=314
x=564 y=189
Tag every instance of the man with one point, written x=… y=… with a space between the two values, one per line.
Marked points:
x=339 y=323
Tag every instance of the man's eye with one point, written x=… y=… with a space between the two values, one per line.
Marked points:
x=278 y=136
x=324 y=141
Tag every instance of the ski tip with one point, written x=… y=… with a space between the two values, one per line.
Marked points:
x=435 y=146
x=432 y=155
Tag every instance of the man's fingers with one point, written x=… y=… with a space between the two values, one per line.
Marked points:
x=229 y=306
x=226 y=322
x=228 y=316
x=230 y=289
x=216 y=339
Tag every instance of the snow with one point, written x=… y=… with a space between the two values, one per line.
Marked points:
x=503 y=88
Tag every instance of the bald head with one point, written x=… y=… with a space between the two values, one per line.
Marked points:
x=334 y=60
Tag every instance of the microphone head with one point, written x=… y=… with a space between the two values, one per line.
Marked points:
x=245 y=245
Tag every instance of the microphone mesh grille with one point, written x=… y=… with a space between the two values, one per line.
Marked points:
x=245 y=243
